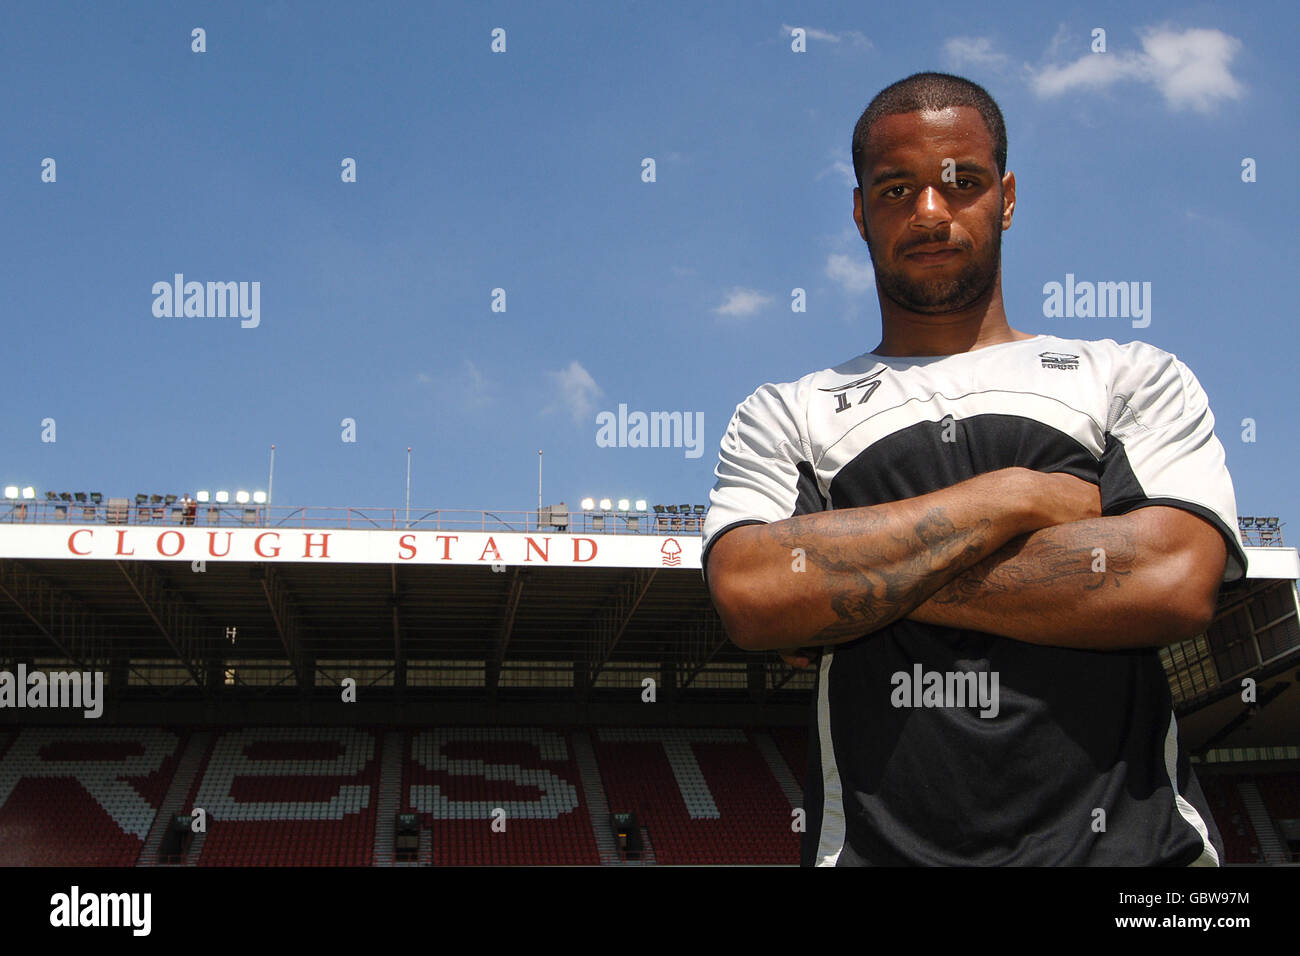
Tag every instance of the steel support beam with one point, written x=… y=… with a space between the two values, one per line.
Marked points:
x=704 y=638
x=175 y=620
x=287 y=618
x=70 y=625
x=506 y=628
x=612 y=620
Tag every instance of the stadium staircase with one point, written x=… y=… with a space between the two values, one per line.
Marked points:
x=173 y=804
x=1265 y=832
x=196 y=846
x=647 y=851
x=780 y=769
x=597 y=805
x=390 y=797
x=1240 y=845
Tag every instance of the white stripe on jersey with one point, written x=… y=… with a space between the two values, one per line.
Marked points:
x=832 y=832
x=1140 y=396
x=1047 y=409
x=1208 y=857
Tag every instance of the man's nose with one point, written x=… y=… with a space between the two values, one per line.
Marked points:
x=931 y=210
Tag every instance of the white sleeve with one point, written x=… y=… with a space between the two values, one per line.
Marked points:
x=1161 y=448
x=764 y=470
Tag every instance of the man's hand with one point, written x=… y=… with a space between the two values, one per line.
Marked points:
x=800 y=657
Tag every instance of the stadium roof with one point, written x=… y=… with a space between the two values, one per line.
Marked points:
x=451 y=610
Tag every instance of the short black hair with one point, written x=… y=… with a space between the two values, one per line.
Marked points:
x=930 y=91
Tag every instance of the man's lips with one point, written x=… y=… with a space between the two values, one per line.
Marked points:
x=936 y=254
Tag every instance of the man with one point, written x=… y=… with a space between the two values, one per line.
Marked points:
x=984 y=535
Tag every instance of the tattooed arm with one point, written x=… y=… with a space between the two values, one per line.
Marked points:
x=1143 y=579
x=833 y=577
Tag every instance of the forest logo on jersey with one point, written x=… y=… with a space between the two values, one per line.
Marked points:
x=1059 y=360
x=868 y=384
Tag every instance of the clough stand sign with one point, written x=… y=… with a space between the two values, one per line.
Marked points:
x=346 y=546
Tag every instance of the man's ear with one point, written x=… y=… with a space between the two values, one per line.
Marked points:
x=1008 y=199
x=859 y=214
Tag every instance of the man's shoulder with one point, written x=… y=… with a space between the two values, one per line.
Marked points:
x=794 y=394
x=1134 y=353
x=1116 y=360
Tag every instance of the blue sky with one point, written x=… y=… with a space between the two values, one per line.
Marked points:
x=522 y=170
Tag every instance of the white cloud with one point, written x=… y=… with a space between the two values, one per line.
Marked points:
x=742 y=303
x=1059 y=40
x=1223 y=225
x=852 y=37
x=578 y=391
x=467 y=390
x=854 y=274
x=842 y=168
x=479 y=390
x=972 y=51
x=1190 y=68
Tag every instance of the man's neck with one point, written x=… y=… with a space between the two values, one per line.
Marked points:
x=920 y=340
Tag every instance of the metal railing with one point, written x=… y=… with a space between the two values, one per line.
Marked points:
x=1261 y=536
x=671 y=520
x=208 y=515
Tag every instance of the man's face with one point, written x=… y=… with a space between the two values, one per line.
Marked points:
x=907 y=206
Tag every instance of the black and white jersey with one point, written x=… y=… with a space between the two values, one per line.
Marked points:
x=1081 y=763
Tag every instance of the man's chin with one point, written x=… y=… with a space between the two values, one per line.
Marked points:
x=934 y=303
x=953 y=295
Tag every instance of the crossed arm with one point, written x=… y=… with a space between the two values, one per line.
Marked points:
x=1143 y=579
x=1014 y=552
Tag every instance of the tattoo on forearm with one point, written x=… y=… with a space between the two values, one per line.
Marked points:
x=869 y=595
x=1046 y=557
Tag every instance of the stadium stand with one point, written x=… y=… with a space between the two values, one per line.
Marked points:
x=279 y=796
x=525 y=779
x=82 y=796
x=704 y=796
x=793 y=744
x=1240 y=844
x=1281 y=793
